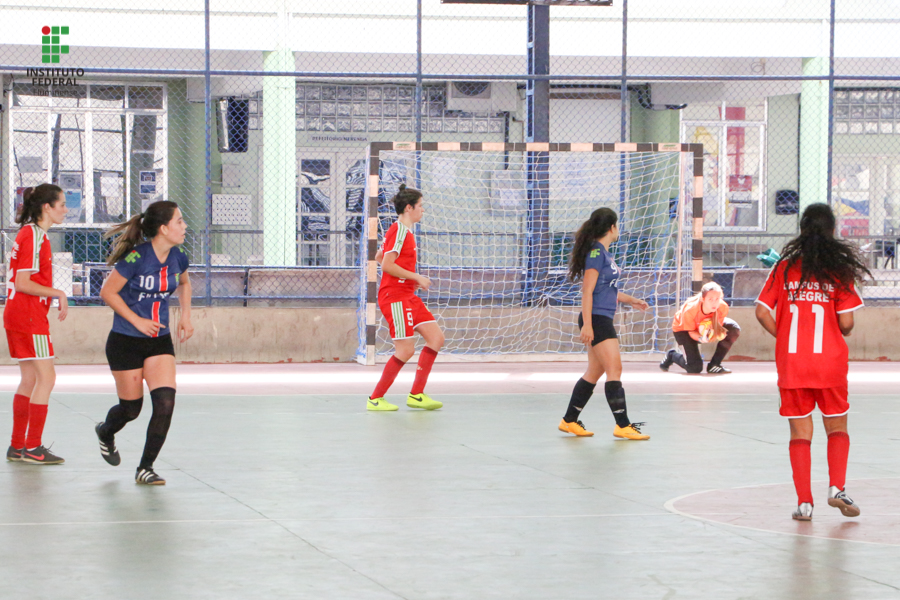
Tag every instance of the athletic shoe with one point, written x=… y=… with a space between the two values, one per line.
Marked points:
x=379 y=404
x=667 y=361
x=717 y=369
x=803 y=512
x=576 y=427
x=632 y=432
x=422 y=401
x=108 y=447
x=41 y=456
x=148 y=477
x=840 y=500
x=14 y=454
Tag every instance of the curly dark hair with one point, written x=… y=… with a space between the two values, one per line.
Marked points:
x=598 y=225
x=825 y=258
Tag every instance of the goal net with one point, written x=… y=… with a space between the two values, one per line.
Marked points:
x=499 y=224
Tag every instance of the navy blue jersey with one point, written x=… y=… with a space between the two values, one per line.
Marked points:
x=606 y=291
x=150 y=283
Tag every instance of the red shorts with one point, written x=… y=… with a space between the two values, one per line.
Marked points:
x=404 y=315
x=800 y=402
x=29 y=346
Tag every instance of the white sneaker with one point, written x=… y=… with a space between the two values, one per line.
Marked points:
x=803 y=512
x=840 y=500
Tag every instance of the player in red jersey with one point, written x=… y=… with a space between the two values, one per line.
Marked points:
x=405 y=312
x=812 y=291
x=28 y=293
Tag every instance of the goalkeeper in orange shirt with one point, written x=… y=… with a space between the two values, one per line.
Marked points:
x=703 y=318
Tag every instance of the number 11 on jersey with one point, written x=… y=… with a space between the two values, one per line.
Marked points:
x=819 y=313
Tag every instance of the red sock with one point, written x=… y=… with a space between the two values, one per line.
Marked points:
x=20 y=420
x=426 y=359
x=388 y=376
x=37 y=414
x=801 y=463
x=838 y=450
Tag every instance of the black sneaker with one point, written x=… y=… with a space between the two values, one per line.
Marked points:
x=14 y=454
x=108 y=447
x=41 y=456
x=148 y=477
x=717 y=369
x=667 y=361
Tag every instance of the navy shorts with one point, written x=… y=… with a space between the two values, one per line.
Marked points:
x=126 y=353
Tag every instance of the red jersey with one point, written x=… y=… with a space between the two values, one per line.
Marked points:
x=810 y=351
x=31 y=252
x=401 y=240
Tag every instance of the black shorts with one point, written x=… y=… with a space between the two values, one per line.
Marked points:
x=126 y=353
x=603 y=328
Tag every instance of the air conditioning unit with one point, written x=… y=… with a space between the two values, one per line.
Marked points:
x=482 y=96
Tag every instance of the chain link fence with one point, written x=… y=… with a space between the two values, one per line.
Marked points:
x=256 y=119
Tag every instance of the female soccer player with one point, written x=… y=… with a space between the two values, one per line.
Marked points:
x=812 y=291
x=592 y=262
x=139 y=347
x=702 y=318
x=404 y=312
x=28 y=293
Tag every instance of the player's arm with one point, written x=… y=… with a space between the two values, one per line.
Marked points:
x=587 y=304
x=845 y=322
x=110 y=294
x=184 y=291
x=25 y=285
x=389 y=265
x=765 y=318
x=635 y=303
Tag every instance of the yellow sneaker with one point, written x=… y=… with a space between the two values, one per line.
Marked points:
x=380 y=405
x=577 y=428
x=632 y=432
x=422 y=401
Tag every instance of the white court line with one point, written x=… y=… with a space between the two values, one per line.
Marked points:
x=668 y=378
x=274 y=378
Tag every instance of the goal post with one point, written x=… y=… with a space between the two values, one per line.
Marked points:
x=482 y=232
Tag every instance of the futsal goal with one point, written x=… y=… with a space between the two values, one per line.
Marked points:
x=500 y=220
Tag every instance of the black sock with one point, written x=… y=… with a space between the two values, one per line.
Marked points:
x=615 y=396
x=163 y=399
x=580 y=396
x=119 y=415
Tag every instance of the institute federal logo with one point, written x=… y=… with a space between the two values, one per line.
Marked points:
x=51 y=43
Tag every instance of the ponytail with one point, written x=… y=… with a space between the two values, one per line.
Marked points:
x=598 y=225
x=34 y=200
x=139 y=228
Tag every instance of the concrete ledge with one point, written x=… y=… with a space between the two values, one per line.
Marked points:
x=279 y=335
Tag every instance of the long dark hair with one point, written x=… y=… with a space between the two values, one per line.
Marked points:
x=825 y=258
x=597 y=226
x=405 y=197
x=139 y=228
x=34 y=200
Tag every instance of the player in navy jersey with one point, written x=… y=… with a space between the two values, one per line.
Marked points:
x=150 y=266
x=594 y=265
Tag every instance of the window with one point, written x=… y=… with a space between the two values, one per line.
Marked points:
x=733 y=138
x=103 y=143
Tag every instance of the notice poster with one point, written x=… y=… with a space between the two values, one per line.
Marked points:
x=148 y=182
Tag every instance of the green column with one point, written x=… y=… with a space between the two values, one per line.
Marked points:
x=279 y=161
x=814 y=134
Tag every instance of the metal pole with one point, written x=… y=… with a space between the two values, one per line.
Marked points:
x=418 y=73
x=623 y=131
x=208 y=211
x=831 y=103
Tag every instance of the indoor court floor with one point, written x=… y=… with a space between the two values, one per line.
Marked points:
x=281 y=485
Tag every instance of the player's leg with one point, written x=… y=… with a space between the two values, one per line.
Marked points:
x=21 y=404
x=797 y=405
x=159 y=372
x=715 y=363
x=125 y=355
x=581 y=393
x=690 y=361
x=404 y=347
x=607 y=353
x=434 y=341
x=45 y=379
x=834 y=407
